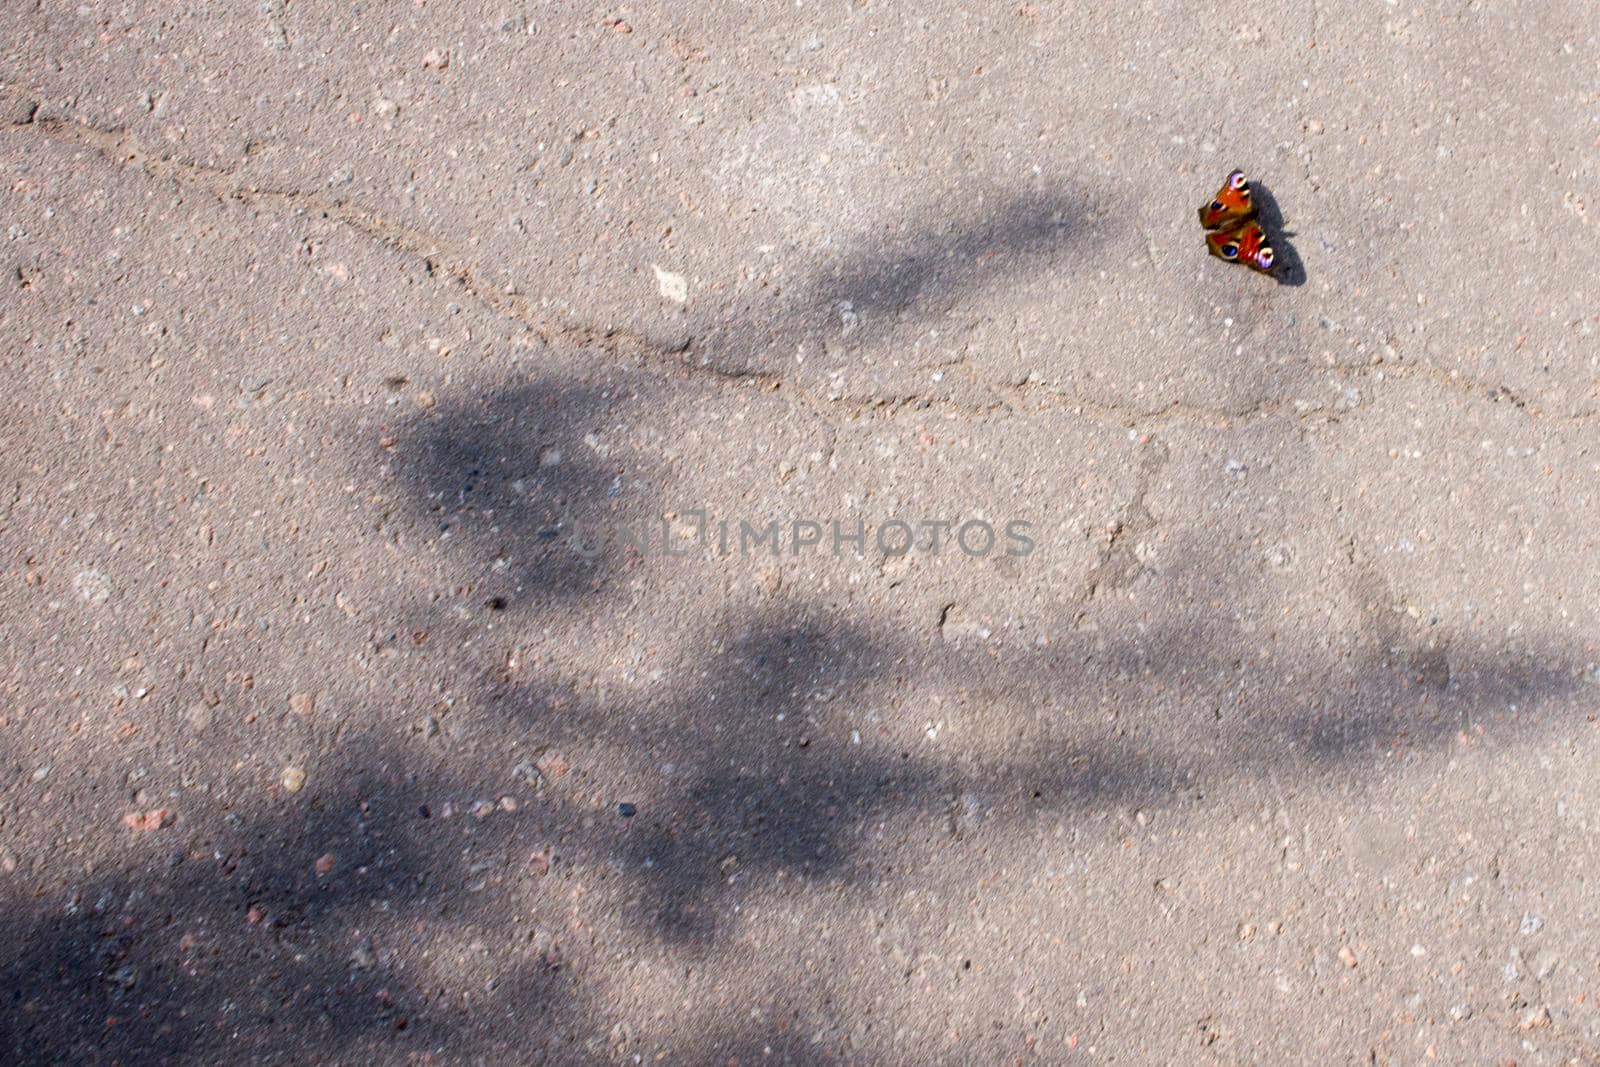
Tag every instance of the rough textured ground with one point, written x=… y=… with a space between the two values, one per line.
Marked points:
x=333 y=333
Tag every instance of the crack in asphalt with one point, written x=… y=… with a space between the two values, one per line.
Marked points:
x=276 y=13
x=1118 y=562
x=122 y=148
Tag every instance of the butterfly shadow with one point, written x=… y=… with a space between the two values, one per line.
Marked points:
x=1290 y=269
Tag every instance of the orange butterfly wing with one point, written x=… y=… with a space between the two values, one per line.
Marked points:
x=1245 y=243
x=1231 y=204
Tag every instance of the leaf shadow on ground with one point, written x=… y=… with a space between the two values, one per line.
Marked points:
x=770 y=789
x=227 y=937
x=771 y=784
x=512 y=473
x=928 y=274
x=858 y=295
x=513 y=484
x=277 y=930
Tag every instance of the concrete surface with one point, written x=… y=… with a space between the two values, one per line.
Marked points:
x=344 y=721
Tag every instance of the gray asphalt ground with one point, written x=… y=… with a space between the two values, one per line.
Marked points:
x=357 y=355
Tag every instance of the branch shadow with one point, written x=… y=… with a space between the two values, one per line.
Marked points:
x=855 y=299
x=783 y=779
x=273 y=933
x=879 y=285
x=536 y=516
x=242 y=946
x=773 y=786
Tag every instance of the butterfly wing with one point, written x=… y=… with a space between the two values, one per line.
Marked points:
x=1231 y=204
x=1244 y=242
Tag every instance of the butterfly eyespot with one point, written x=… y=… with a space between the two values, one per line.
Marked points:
x=1236 y=180
x=1264 y=257
x=1230 y=251
x=1216 y=205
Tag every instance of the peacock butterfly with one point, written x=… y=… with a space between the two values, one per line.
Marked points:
x=1232 y=232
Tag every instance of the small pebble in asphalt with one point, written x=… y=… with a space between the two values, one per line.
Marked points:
x=626 y=810
x=143 y=821
x=552 y=766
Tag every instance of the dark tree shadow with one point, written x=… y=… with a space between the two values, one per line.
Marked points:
x=772 y=787
x=772 y=783
x=508 y=481
x=231 y=942
x=511 y=482
x=278 y=933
